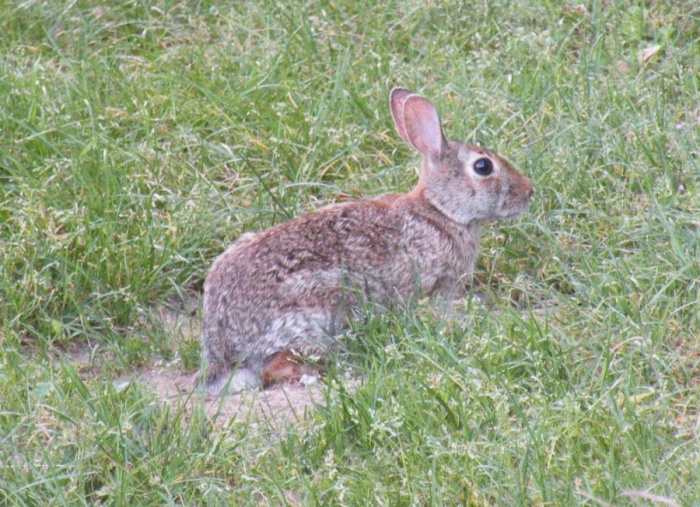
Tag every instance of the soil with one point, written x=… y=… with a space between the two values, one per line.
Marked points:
x=276 y=405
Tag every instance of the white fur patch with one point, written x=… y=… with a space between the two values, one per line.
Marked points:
x=308 y=380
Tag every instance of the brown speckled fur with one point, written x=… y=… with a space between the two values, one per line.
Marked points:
x=287 y=290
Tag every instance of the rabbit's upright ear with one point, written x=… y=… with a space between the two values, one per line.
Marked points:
x=397 y=98
x=422 y=126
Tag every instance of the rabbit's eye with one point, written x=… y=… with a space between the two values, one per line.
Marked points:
x=483 y=167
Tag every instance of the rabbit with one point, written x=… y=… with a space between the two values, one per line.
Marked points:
x=276 y=298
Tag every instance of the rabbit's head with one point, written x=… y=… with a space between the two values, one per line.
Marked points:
x=467 y=183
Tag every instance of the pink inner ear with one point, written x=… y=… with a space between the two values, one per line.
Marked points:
x=398 y=98
x=423 y=125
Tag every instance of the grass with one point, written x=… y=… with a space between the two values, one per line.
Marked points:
x=137 y=139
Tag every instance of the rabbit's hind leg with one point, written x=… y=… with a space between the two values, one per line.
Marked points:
x=286 y=366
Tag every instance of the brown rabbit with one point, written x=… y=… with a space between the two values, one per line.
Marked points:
x=278 y=297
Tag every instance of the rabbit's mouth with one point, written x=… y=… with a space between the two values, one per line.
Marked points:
x=517 y=203
x=514 y=211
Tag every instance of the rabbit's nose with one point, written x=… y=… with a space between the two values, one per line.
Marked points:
x=527 y=184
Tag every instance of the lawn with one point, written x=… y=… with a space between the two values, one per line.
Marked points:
x=138 y=139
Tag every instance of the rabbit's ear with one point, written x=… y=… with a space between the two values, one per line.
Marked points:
x=397 y=98
x=422 y=126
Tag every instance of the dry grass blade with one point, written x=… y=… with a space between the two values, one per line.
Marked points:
x=651 y=496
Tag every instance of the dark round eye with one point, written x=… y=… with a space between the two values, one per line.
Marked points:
x=483 y=167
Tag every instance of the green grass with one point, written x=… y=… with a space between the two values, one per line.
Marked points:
x=137 y=139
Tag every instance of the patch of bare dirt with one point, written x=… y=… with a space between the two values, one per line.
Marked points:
x=274 y=406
